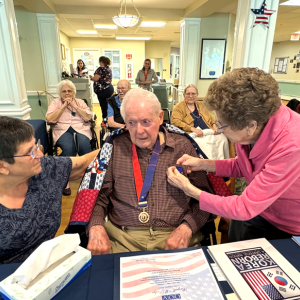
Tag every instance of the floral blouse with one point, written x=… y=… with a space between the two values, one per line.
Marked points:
x=104 y=81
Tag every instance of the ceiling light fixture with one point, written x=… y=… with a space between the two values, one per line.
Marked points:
x=153 y=24
x=105 y=26
x=291 y=3
x=87 y=31
x=133 y=38
x=124 y=20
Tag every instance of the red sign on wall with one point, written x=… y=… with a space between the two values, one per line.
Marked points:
x=128 y=56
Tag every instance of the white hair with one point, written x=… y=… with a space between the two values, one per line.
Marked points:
x=140 y=95
x=69 y=83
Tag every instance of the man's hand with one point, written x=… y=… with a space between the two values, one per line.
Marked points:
x=179 y=238
x=98 y=240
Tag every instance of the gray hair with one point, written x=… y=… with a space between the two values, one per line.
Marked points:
x=141 y=95
x=69 y=83
x=191 y=85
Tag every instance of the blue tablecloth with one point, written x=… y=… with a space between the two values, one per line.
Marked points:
x=40 y=129
x=98 y=281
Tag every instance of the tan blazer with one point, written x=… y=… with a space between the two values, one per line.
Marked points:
x=151 y=76
x=181 y=116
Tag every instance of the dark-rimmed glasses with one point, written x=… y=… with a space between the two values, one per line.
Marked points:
x=220 y=127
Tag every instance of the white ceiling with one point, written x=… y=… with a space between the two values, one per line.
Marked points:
x=82 y=14
x=175 y=4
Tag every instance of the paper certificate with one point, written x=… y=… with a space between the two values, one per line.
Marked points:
x=256 y=270
x=184 y=275
x=263 y=275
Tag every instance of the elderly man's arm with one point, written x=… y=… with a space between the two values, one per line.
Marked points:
x=111 y=123
x=194 y=218
x=98 y=238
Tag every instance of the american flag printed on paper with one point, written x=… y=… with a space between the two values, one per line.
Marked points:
x=184 y=275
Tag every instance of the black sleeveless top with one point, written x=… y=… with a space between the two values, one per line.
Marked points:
x=117 y=115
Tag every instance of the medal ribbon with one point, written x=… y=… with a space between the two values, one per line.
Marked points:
x=142 y=189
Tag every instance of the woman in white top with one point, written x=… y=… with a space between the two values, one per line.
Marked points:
x=146 y=76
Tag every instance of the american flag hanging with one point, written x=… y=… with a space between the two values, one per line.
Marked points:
x=262 y=15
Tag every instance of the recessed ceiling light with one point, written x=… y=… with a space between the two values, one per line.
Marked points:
x=106 y=26
x=87 y=31
x=291 y=3
x=136 y=38
x=153 y=24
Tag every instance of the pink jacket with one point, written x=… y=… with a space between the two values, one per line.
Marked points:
x=272 y=172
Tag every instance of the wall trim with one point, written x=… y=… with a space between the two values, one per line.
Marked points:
x=288 y=81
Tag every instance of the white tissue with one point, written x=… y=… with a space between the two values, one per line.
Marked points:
x=44 y=256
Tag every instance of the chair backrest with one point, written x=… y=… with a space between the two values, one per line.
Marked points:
x=209 y=232
x=161 y=93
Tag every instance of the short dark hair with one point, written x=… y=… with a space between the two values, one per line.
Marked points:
x=105 y=60
x=13 y=132
x=147 y=59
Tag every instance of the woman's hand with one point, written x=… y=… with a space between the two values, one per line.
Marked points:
x=197 y=164
x=199 y=132
x=73 y=104
x=215 y=129
x=178 y=180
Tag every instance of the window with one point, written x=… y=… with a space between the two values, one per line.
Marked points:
x=116 y=61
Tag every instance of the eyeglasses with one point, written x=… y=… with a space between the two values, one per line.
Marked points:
x=220 y=127
x=191 y=94
x=33 y=152
x=121 y=88
x=68 y=91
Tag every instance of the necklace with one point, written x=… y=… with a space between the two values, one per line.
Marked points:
x=193 y=113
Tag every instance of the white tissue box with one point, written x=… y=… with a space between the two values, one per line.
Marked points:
x=49 y=283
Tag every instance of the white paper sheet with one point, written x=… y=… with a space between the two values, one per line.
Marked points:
x=181 y=275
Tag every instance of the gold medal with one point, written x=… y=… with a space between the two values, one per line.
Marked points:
x=144 y=217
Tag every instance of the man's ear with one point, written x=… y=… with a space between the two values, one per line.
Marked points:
x=252 y=126
x=161 y=116
x=3 y=169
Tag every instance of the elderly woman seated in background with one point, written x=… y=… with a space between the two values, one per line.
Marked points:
x=30 y=190
x=71 y=116
x=191 y=116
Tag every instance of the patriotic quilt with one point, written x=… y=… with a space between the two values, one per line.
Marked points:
x=263 y=275
x=184 y=275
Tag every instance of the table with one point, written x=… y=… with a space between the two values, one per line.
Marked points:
x=98 y=281
x=40 y=129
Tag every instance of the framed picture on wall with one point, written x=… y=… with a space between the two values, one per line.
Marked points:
x=63 y=51
x=212 y=58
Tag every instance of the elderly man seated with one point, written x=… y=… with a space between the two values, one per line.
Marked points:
x=114 y=118
x=145 y=212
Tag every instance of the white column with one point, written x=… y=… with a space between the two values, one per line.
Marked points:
x=253 y=41
x=51 y=54
x=189 y=53
x=13 y=98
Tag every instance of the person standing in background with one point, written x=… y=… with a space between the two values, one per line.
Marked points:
x=102 y=83
x=81 y=70
x=146 y=76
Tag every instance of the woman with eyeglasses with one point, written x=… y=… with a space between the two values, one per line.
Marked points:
x=191 y=116
x=266 y=134
x=146 y=76
x=70 y=116
x=30 y=190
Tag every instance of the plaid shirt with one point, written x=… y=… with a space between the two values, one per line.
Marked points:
x=168 y=206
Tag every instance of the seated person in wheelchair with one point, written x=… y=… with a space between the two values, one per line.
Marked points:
x=70 y=116
x=191 y=116
x=153 y=215
x=114 y=118
x=30 y=190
